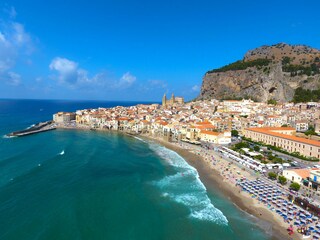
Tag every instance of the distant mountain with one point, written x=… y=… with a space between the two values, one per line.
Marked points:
x=267 y=72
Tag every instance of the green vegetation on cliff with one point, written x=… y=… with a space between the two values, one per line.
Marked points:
x=242 y=65
x=306 y=68
x=306 y=95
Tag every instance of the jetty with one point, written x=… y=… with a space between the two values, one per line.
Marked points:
x=37 y=128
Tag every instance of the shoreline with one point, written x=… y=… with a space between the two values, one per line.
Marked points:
x=213 y=179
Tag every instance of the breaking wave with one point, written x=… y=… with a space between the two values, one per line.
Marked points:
x=185 y=187
x=140 y=139
x=6 y=136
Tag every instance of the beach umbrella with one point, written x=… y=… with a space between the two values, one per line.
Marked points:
x=296 y=222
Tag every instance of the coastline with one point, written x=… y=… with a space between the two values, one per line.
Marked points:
x=213 y=179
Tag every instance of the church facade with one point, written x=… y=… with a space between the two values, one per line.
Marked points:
x=170 y=102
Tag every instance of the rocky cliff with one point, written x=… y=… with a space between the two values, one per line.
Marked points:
x=267 y=72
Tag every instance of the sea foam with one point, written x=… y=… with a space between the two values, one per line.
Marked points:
x=185 y=187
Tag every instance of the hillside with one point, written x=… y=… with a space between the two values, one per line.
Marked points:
x=267 y=72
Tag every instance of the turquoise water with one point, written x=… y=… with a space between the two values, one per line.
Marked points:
x=94 y=185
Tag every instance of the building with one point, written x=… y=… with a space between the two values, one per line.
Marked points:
x=172 y=101
x=215 y=137
x=283 y=137
x=296 y=175
x=317 y=126
x=302 y=126
x=64 y=117
x=314 y=178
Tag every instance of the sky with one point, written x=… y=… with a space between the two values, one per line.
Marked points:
x=137 y=50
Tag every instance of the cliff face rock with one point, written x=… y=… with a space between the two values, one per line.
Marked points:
x=267 y=72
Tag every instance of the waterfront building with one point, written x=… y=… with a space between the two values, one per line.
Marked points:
x=283 y=137
x=215 y=137
x=64 y=117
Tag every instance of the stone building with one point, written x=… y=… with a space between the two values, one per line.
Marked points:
x=172 y=101
x=64 y=117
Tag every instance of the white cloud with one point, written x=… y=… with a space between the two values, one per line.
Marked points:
x=20 y=36
x=70 y=74
x=14 y=79
x=67 y=70
x=15 y=45
x=2 y=38
x=195 y=88
x=63 y=65
x=126 y=80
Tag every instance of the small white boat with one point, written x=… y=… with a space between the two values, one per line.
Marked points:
x=62 y=152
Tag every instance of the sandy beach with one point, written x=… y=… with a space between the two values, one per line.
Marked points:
x=212 y=176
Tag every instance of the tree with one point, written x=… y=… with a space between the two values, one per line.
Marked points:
x=284 y=125
x=241 y=145
x=295 y=186
x=282 y=180
x=286 y=60
x=310 y=131
x=256 y=148
x=272 y=175
x=272 y=102
x=277 y=160
x=234 y=133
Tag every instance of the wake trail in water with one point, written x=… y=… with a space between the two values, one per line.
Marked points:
x=185 y=187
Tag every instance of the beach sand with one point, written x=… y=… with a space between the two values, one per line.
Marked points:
x=212 y=178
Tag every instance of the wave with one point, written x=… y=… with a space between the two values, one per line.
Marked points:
x=185 y=187
x=6 y=136
x=31 y=126
x=140 y=139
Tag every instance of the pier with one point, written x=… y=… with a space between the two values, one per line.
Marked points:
x=38 y=128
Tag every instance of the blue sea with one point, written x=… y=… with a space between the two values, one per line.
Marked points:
x=68 y=184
